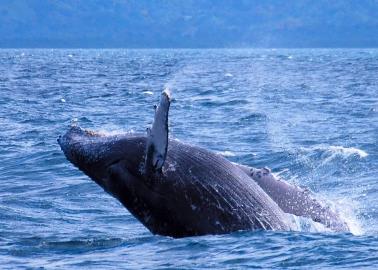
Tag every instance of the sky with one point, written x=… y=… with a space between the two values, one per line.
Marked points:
x=188 y=23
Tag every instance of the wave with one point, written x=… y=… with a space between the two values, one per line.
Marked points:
x=347 y=151
x=338 y=150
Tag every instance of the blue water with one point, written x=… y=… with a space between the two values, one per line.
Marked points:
x=310 y=115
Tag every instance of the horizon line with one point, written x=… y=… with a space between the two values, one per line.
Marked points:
x=175 y=48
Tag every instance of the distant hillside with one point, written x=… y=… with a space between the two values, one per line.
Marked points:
x=188 y=23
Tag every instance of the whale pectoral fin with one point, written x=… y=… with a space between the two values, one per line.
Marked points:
x=157 y=136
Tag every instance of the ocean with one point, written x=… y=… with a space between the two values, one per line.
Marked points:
x=311 y=115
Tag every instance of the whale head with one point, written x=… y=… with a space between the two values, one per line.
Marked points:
x=98 y=155
x=116 y=163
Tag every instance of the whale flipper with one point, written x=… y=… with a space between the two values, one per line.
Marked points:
x=157 y=136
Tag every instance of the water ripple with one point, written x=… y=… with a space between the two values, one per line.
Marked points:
x=309 y=114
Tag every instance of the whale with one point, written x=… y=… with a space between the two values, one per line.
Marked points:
x=296 y=200
x=177 y=189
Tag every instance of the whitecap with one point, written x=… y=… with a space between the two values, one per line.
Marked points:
x=348 y=151
x=226 y=153
x=148 y=93
x=338 y=150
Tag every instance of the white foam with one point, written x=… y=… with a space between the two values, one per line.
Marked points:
x=348 y=151
x=339 y=150
x=303 y=224
x=226 y=153
x=228 y=75
x=148 y=93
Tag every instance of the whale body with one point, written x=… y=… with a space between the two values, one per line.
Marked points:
x=172 y=188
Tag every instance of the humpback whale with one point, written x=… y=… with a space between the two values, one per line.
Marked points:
x=177 y=189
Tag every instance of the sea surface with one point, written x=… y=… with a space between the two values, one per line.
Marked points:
x=311 y=115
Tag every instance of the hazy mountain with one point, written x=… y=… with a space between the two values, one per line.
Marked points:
x=188 y=23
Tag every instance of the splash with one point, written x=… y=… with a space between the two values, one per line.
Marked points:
x=344 y=207
x=347 y=209
x=180 y=77
x=304 y=224
x=167 y=91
